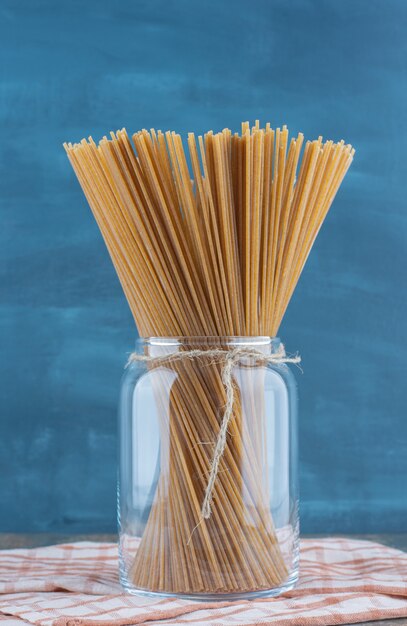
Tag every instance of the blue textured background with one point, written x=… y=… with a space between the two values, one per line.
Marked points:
x=73 y=68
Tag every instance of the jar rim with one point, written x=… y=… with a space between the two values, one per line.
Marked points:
x=258 y=340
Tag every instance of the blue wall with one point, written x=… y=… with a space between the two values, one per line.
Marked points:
x=73 y=68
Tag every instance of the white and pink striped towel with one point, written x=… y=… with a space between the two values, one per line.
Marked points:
x=342 y=581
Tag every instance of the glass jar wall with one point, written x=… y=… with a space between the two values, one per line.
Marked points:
x=171 y=408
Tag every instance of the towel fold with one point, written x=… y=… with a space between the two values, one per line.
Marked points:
x=342 y=581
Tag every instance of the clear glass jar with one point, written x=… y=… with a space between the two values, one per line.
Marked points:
x=170 y=415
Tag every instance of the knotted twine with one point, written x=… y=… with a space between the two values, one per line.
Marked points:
x=231 y=358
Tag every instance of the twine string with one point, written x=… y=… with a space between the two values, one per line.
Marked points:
x=230 y=358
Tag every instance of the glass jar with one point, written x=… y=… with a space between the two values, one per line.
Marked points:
x=172 y=405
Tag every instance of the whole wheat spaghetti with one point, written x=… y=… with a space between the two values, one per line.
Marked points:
x=209 y=242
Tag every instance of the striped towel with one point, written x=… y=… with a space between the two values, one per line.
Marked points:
x=342 y=581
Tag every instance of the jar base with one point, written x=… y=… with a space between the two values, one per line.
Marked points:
x=288 y=584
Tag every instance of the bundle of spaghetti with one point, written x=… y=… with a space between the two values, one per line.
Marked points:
x=209 y=248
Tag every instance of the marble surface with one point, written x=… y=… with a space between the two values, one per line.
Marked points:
x=71 y=69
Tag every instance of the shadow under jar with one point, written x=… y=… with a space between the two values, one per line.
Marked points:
x=171 y=408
